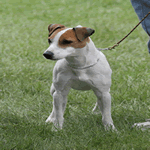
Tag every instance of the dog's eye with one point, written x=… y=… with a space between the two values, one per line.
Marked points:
x=66 y=42
x=49 y=41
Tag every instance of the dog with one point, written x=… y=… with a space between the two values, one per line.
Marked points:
x=80 y=66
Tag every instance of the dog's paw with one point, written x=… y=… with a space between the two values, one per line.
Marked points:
x=57 y=124
x=110 y=127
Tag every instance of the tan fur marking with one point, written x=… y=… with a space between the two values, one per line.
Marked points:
x=52 y=28
x=55 y=32
x=71 y=36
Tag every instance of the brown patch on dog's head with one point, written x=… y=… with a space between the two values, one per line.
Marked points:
x=76 y=37
x=54 y=29
x=83 y=32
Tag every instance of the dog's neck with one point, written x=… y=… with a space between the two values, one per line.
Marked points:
x=87 y=57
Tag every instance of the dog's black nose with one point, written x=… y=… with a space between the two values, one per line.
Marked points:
x=48 y=55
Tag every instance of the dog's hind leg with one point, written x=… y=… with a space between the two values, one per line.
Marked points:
x=96 y=109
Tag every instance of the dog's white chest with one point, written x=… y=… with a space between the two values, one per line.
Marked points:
x=81 y=81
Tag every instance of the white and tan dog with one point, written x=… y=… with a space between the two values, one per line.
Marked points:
x=80 y=66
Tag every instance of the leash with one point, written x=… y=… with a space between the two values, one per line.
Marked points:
x=113 y=47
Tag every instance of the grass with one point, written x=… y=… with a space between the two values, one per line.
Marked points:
x=25 y=77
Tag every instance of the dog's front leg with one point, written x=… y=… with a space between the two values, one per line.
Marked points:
x=104 y=103
x=59 y=104
x=58 y=109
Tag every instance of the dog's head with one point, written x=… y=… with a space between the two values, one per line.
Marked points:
x=65 y=42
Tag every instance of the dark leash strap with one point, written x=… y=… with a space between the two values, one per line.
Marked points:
x=113 y=47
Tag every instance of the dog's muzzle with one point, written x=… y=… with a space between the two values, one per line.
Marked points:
x=48 y=55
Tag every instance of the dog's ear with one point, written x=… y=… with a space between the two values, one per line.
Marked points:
x=53 y=27
x=83 y=32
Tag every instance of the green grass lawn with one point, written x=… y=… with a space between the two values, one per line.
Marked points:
x=25 y=77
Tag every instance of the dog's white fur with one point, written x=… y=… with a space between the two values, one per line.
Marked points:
x=81 y=69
